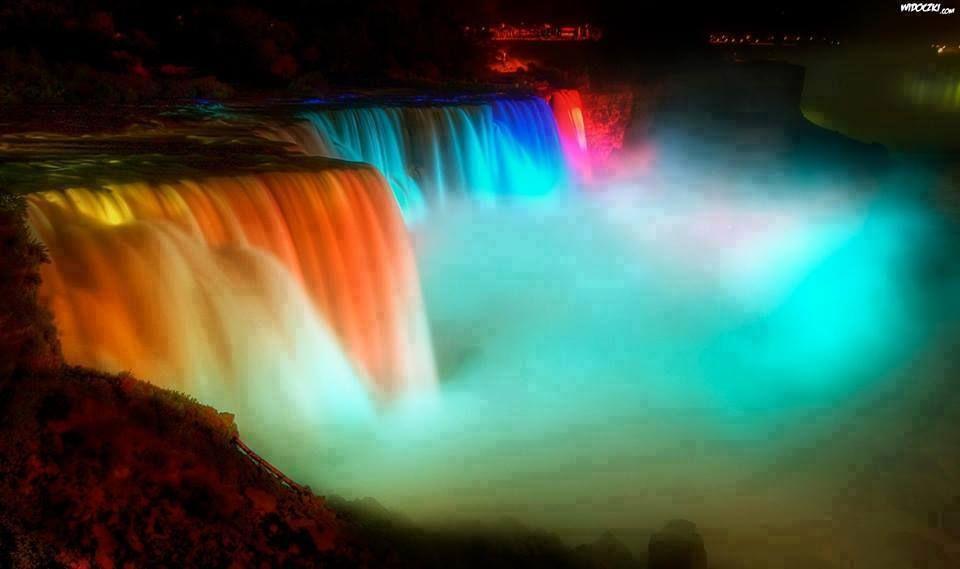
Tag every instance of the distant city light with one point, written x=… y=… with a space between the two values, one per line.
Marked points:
x=946 y=49
x=542 y=31
x=769 y=39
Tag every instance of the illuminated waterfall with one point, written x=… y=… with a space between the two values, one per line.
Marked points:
x=568 y=111
x=196 y=284
x=429 y=151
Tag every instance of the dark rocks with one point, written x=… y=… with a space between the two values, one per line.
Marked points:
x=677 y=546
x=948 y=518
x=608 y=552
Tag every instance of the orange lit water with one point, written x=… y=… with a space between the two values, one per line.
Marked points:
x=159 y=278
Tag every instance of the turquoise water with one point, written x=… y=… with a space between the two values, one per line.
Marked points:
x=774 y=362
x=430 y=154
x=613 y=360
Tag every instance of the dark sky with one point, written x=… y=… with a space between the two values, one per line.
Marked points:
x=881 y=18
x=677 y=14
x=268 y=40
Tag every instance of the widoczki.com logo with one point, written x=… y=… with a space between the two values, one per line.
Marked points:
x=925 y=8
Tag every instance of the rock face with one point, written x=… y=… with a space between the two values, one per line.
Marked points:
x=677 y=546
x=742 y=123
x=607 y=115
x=948 y=519
x=608 y=552
x=756 y=91
x=28 y=339
x=108 y=471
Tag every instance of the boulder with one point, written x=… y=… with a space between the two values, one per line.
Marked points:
x=677 y=546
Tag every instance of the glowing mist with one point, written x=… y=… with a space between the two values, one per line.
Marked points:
x=608 y=363
x=772 y=365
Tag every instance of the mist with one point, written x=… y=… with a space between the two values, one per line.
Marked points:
x=611 y=360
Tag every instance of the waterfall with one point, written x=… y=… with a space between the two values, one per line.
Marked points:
x=568 y=112
x=429 y=151
x=298 y=286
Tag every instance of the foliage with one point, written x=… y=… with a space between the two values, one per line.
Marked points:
x=31 y=79
x=110 y=470
x=119 y=51
x=28 y=339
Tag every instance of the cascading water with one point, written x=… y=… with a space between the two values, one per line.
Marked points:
x=192 y=284
x=568 y=111
x=485 y=148
x=295 y=286
x=616 y=360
